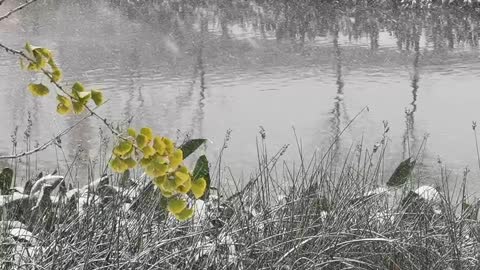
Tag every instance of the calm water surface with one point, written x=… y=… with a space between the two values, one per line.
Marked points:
x=243 y=65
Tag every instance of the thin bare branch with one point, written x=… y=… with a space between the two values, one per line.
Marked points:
x=60 y=87
x=47 y=144
x=22 y=6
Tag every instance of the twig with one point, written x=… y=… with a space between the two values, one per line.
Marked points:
x=15 y=9
x=47 y=144
x=474 y=127
x=342 y=131
x=49 y=75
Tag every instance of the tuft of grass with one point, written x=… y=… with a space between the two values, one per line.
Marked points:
x=322 y=213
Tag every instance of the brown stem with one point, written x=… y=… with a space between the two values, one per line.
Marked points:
x=47 y=73
x=60 y=87
x=15 y=9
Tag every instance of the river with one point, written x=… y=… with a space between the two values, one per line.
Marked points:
x=293 y=69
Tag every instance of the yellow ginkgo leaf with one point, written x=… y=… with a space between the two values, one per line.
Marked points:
x=78 y=107
x=169 y=185
x=176 y=158
x=38 y=89
x=145 y=162
x=56 y=75
x=159 y=145
x=33 y=67
x=155 y=169
x=166 y=194
x=40 y=60
x=44 y=52
x=62 y=109
x=141 y=141
x=122 y=148
x=77 y=88
x=169 y=146
x=176 y=206
x=84 y=97
x=97 y=97
x=183 y=169
x=185 y=187
x=131 y=132
x=159 y=181
x=148 y=151
x=198 y=187
x=181 y=178
x=64 y=105
x=147 y=132
x=118 y=165
x=63 y=100
x=185 y=215
x=131 y=163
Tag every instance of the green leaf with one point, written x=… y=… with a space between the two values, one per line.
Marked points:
x=201 y=170
x=176 y=206
x=401 y=173
x=97 y=97
x=189 y=147
x=6 y=179
x=39 y=90
x=185 y=215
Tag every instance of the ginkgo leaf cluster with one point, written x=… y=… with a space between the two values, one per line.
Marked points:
x=41 y=60
x=158 y=156
x=164 y=163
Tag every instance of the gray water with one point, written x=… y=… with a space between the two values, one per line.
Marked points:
x=203 y=69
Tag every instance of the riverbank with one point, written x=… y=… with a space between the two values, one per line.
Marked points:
x=322 y=213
